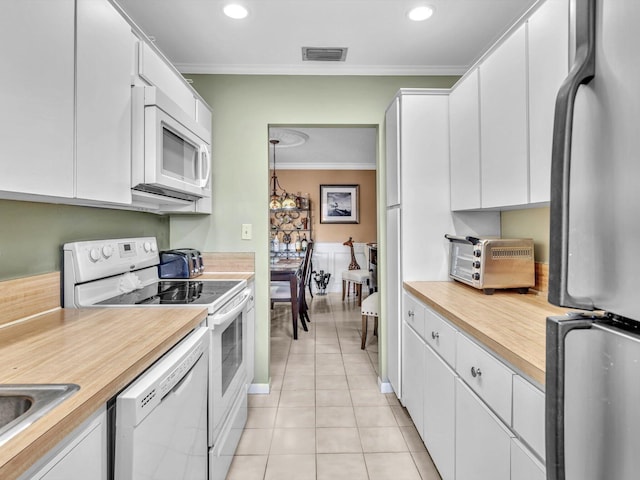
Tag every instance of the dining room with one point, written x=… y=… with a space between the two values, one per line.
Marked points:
x=322 y=213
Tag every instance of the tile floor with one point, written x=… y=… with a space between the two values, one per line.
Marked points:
x=325 y=417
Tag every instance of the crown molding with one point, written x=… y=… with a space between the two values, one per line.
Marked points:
x=331 y=69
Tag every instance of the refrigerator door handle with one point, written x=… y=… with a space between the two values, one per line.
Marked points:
x=581 y=73
x=557 y=330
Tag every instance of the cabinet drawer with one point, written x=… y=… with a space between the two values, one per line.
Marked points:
x=528 y=414
x=441 y=336
x=413 y=313
x=486 y=375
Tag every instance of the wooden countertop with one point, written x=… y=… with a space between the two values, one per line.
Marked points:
x=508 y=323
x=100 y=349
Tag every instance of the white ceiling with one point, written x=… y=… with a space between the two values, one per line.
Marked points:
x=198 y=38
x=328 y=148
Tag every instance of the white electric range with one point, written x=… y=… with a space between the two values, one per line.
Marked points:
x=124 y=273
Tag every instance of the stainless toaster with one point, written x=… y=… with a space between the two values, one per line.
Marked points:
x=180 y=263
x=489 y=263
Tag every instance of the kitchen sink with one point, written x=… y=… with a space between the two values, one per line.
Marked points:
x=21 y=405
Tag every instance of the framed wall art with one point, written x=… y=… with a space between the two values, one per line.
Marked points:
x=339 y=204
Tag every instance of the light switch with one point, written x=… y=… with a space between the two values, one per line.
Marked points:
x=246 y=231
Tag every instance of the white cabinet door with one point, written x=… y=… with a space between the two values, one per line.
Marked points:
x=524 y=465
x=393 y=318
x=439 y=413
x=105 y=52
x=36 y=94
x=548 y=34
x=424 y=167
x=464 y=125
x=503 y=113
x=392 y=135
x=483 y=443
x=81 y=456
x=155 y=70
x=413 y=377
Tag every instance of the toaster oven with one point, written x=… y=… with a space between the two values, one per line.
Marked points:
x=489 y=263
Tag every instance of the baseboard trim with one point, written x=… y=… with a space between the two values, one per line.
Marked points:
x=259 y=388
x=385 y=387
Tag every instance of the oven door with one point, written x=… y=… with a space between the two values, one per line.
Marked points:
x=228 y=355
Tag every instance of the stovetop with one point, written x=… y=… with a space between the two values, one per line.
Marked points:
x=176 y=292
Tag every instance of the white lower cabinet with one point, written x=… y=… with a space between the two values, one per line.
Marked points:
x=439 y=413
x=483 y=442
x=251 y=334
x=466 y=420
x=413 y=376
x=524 y=465
x=80 y=456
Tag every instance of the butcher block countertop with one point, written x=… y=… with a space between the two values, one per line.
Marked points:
x=511 y=325
x=100 y=349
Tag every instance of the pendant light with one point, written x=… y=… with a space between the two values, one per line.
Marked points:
x=278 y=200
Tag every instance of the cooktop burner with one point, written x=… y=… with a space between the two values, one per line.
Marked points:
x=175 y=292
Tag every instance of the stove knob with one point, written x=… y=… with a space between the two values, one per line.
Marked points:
x=476 y=264
x=147 y=247
x=154 y=247
x=476 y=253
x=107 y=251
x=476 y=276
x=94 y=254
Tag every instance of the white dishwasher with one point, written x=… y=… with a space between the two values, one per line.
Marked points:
x=161 y=418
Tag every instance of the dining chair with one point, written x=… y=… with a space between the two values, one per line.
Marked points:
x=280 y=291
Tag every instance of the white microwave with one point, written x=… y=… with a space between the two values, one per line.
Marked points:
x=171 y=151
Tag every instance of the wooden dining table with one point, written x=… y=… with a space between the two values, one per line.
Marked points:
x=289 y=270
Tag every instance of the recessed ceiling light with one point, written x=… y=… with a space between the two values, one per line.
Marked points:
x=233 y=10
x=419 y=14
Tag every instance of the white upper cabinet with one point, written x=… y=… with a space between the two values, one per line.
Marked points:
x=504 y=158
x=548 y=66
x=504 y=129
x=104 y=61
x=36 y=94
x=424 y=167
x=464 y=132
x=392 y=126
x=158 y=73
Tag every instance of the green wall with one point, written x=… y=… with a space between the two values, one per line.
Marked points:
x=529 y=223
x=243 y=108
x=32 y=234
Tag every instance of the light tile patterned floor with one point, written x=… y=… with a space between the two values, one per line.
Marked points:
x=325 y=417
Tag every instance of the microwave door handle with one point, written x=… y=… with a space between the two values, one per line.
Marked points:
x=581 y=73
x=205 y=160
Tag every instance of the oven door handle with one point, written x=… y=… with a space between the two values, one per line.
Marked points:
x=225 y=316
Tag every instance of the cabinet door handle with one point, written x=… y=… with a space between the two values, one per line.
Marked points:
x=435 y=335
x=410 y=313
x=475 y=372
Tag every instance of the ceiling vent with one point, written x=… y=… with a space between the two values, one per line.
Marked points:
x=319 y=54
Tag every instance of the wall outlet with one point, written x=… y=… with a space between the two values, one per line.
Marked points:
x=246 y=231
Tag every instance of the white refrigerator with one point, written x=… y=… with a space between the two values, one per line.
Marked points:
x=593 y=361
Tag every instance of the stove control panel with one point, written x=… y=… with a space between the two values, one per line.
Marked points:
x=91 y=260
